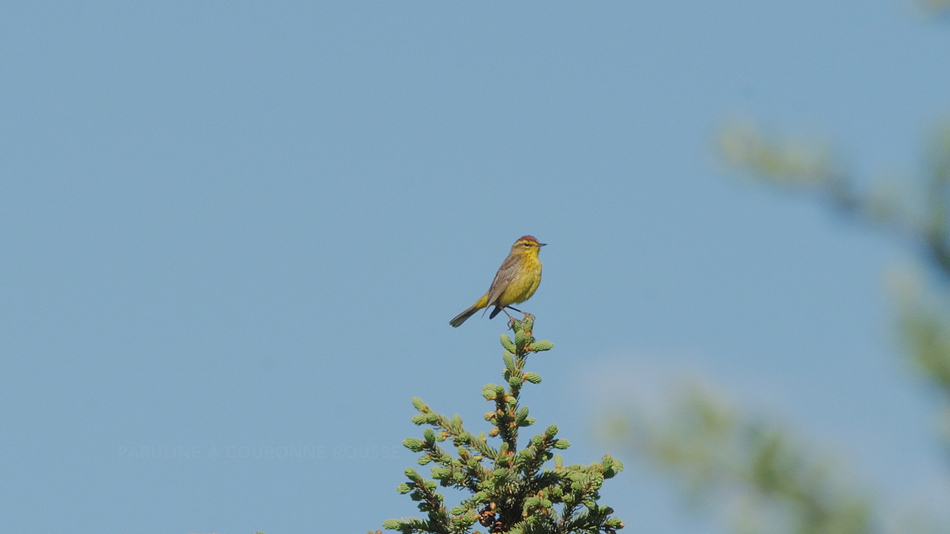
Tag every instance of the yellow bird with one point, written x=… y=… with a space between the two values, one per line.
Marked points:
x=515 y=282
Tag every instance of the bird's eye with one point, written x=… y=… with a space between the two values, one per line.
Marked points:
x=527 y=244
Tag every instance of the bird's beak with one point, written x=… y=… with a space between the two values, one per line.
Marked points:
x=541 y=244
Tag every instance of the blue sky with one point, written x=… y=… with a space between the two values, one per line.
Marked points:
x=232 y=228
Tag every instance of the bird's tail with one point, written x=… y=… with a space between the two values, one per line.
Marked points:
x=460 y=318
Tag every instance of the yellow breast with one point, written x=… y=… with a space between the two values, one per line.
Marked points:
x=525 y=282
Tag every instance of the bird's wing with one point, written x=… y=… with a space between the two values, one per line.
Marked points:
x=504 y=276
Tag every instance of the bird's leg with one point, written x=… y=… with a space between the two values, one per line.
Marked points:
x=526 y=314
x=511 y=320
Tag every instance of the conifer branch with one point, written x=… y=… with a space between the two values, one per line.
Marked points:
x=512 y=490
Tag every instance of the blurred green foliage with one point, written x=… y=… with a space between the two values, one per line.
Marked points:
x=915 y=211
x=762 y=475
x=935 y=7
x=769 y=480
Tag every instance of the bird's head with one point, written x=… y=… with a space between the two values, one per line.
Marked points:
x=526 y=245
